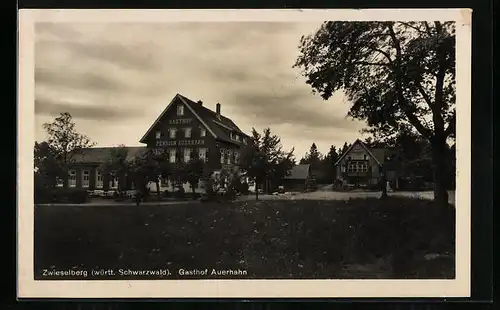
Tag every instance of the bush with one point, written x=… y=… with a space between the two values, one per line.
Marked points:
x=244 y=188
x=180 y=193
x=60 y=194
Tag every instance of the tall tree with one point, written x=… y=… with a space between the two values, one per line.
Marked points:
x=143 y=169
x=65 y=141
x=399 y=75
x=194 y=173
x=264 y=160
x=329 y=163
x=312 y=157
x=47 y=168
x=116 y=165
x=345 y=147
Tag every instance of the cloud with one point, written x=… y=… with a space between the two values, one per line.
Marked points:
x=53 y=108
x=86 y=80
x=125 y=71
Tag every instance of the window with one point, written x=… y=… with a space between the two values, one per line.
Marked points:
x=364 y=157
x=357 y=166
x=72 y=178
x=222 y=155
x=85 y=178
x=99 y=181
x=59 y=182
x=187 y=132
x=236 y=157
x=203 y=132
x=180 y=110
x=158 y=135
x=237 y=137
x=202 y=154
x=171 y=133
x=228 y=156
x=171 y=156
x=187 y=155
x=113 y=181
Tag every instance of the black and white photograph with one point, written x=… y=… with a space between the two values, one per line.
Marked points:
x=316 y=153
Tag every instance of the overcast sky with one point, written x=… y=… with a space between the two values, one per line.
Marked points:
x=115 y=79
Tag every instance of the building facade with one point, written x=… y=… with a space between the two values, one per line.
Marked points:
x=297 y=178
x=363 y=166
x=184 y=130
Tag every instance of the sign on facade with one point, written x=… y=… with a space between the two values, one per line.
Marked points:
x=164 y=143
x=179 y=121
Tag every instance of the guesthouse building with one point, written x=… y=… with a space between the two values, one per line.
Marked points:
x=185 y=129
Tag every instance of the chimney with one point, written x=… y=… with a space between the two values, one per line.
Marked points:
x=200 y=102
x=217 y=110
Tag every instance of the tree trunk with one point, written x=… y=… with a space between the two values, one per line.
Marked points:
x=157 y=182
x=384 y=184
x=256 y=190
x=439 y=170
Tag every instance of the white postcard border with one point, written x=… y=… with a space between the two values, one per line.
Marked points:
x=29 y=288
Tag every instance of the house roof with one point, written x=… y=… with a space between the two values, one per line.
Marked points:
x=218 y=127
x=98 y=155
x=299 y=172
x=378 y=155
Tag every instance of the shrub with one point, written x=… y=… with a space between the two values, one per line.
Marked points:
x=180 y=193
x=60 y=194
x=244 y=188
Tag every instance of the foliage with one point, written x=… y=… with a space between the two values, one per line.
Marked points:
x=143 y=169
x=60 y=195
x=312 y=157
x=265 y=160
x=54 y=156
x=399 y=76
x=116 y=165
x=47 y=167
x=64 y=140
x=194 y=172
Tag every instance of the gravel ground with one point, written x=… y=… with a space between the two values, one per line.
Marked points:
x=331 y=195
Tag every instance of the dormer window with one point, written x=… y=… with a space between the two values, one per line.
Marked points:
x=180 y=110
x=237 y=137
x=158 y=134
x=203 y=132
x=244 y=140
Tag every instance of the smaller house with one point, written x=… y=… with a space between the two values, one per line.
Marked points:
x=298 y=177
x=363 y=166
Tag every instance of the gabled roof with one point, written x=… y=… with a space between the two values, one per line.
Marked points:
x=99 y=155
x=299 y=172
x=216 y=126
x=379 y=158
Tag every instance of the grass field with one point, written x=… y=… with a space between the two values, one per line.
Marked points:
x=358 y=238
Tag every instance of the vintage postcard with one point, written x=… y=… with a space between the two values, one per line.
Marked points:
x=244 y=153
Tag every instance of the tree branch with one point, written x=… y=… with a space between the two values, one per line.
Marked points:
x=411 y=26
x=424 y=95
x=367 y=63
x=451 y=126
x=412 y=118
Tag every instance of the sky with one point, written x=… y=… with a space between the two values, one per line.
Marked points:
x=115 y=79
